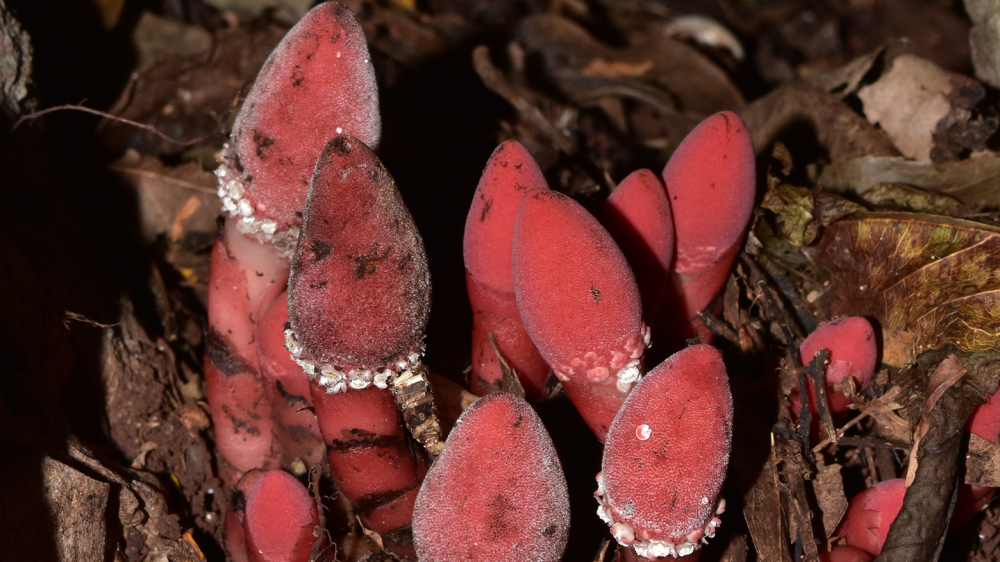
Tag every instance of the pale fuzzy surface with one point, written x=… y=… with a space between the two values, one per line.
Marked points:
x=497 y=492
x=574 y=288
x=280 y=518
x=318 y=83
x=711 y=183
x=637 y=214
x=669 y=482
x=866 y=523
x=489 y=228
x=359 y=291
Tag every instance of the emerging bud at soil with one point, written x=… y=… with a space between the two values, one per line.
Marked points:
x=318 y=83
x=497 y=492
x=578 y=299
x=866 y=523
x=489 y=234
x=853 y=353
x=666 y=456
x=281 y=521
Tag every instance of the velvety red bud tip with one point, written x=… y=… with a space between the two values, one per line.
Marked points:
x=497 y=492
x=359 y=290
x=281 y=519
x=666 y=456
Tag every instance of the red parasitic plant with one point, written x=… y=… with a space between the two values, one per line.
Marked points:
x=245 y=278
x=866 y=523
x=318 y=83
x=497 y=492
x=711 y=185
x=281 y=522
x=637 y=215
x=489 y=233
x=666 y=456
x=853 y=352
x=579 y=302
x=321 y=71
x=295 y=423
x=358 y=298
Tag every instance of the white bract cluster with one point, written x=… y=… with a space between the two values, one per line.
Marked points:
x=336 y=379
x=232 y=193
x=650 y=547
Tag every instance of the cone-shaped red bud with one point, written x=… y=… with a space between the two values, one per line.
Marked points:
x=637 y=214
x=296 y=425
x=845 y=553
x=236 y=538
x=497 y=492
x=711 y=185
x=577 y=297
x=359 y=291
x=866 y=523
x=281 y=522
x=236 y=391
x=853 y=353
x=666 y=456
x=318 y=83
x=985 y=419
x=489 y=233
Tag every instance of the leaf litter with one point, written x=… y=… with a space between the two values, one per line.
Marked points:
x=846 y=226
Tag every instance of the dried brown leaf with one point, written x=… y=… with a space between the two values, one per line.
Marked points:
x=974 y=181
x=176 y=201
x=944 y=377
x=828 y=485
x=907 y=102
x=934 y=277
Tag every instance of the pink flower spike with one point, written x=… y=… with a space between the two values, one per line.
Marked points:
x=489 y=232
x=497 y=492
x=866 y=523
x=359 y=292
x=666 y=456
x=318 y=83
x=578 y=298
x=637 y=214
x=281 y=522
x=853 y=353
x=710 y=180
